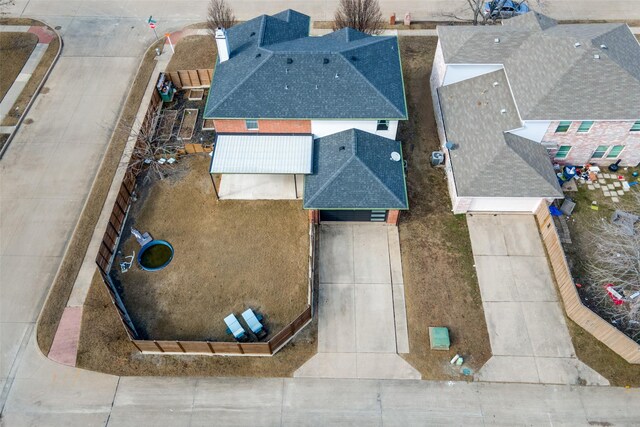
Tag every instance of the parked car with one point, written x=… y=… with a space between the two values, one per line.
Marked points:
x=503 y=9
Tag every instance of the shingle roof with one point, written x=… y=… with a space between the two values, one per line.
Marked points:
x=353 y=169
x=277 y=71
x=487 y=161
x=551 y=79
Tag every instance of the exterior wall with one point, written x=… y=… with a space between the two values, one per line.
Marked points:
x=264 y=126
x=458 y=72
x=314 y=216
x=320 y=128
x=437 y=78
x=584 y=144
x=393 y=216
x=504 y=204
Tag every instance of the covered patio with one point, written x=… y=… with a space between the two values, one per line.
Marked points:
x=261 y=167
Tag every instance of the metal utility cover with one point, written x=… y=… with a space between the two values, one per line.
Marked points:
x=263 y=154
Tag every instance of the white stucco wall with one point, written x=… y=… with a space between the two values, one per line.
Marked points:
x=320 y=128
x=459 y=72
x=499 y=204
x=533 y=130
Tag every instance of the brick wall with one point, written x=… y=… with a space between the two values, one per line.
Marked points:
x=601 y=133
x=264 y=126
x=392 y=217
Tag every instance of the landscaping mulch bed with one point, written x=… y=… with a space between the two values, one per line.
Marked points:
x=189 y=119
x=166 y=122
x=15 y=49
x=229 y=255
x=441 y=287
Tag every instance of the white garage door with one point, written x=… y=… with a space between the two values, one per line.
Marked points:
x=504 y=204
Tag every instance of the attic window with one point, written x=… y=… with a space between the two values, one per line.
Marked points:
x=289 y=61
x=382 y=125
x=325 y=61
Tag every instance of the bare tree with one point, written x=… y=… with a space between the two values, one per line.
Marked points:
x=474 y=11
x=220 y=15
x=616 y=261
x=361 y=15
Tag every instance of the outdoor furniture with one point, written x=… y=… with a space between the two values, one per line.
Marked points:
x=253 y=321
x=235 y=328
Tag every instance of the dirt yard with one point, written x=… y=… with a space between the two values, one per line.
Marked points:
x=588 y=349
x=229 y=256
x=440 y=283
x=15 y=49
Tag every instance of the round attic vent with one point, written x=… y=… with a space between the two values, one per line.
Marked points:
x=395 y=156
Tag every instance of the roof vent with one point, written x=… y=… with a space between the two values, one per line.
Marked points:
x=503 y=111
x=286 y=87
x=337 y=76
x=253 y=33
x=496 y=40
x=603 y=46
x=577 y=44
x=395 y=156
x=596 y=56
x=342 y=148
x=289 y=61
x=258 y=55
x=325 y=61
x=316 y=87
x=353 y=58
x=495 y=84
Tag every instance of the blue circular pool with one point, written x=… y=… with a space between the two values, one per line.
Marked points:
x=155 y=255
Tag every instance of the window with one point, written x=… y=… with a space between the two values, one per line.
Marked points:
x=251 y=124
x=615 y=151
x=383 y=125
x=635 y=127
x=585 y=126
x=599 y=153
x=563 y=127
x=563 y=151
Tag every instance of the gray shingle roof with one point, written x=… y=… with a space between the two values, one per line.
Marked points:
x=551 y=79
x=487 y=161
x=277 y=71
x=353 y=170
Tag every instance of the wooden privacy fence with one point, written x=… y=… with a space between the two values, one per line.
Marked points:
x=613 y=338
x=191 y=79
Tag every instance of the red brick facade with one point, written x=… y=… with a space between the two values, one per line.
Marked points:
x=584 y=144
x=392 y=217
x=264 y=126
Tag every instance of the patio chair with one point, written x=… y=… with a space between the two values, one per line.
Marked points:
x=254 y=323
x=235 y=328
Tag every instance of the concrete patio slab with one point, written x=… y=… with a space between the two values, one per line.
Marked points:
x=501 y=286
x=257 y=187
x=371 y=254
x=384 y=366
x=507 y=329
x=521 y=235
x=336 y=254
x=486 y=235
x=532 y=279
x=400 y=316
x=375 y=325
x=329 y=365
x=540 y=319
x=336 y=318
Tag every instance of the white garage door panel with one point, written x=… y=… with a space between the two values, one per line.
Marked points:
x=504 y=204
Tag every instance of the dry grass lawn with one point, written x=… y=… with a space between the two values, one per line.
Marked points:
x=194 y=53
x=15 y=49
x=440 y=283
x=229 y=255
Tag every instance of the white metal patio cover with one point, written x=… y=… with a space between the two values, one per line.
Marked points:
x=263 y=154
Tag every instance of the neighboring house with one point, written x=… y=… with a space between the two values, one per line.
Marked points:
x=275 y=89
x=512 y=99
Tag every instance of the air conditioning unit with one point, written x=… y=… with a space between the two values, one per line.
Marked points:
x=437 y=158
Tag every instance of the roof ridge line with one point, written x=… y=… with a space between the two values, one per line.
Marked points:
x=373 y=86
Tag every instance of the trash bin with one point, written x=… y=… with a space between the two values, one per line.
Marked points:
x=165 y=87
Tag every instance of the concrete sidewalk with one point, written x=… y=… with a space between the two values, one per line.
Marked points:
x=530 y=341
x=362 y=321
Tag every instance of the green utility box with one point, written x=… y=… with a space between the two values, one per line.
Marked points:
x=439 y=338
x=165 y=88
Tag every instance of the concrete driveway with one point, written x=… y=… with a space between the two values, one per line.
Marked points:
x=529 y=337
x=361 y=311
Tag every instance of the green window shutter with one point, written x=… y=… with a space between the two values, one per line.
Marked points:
x=563 y=127
x=585 y=126
x=563 y=151
x=599 y=153
x=615 y=151
x=635 y=127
